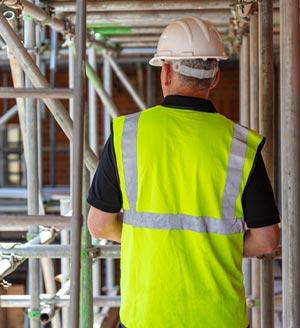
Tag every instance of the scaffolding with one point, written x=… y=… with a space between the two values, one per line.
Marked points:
x=111 y=32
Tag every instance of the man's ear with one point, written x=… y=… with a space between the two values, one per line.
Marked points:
x=216 y=80
x=168 y=74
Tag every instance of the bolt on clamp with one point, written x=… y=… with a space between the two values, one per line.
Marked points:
x=253 y=302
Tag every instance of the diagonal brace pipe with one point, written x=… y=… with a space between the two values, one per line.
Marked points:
x=124 y=79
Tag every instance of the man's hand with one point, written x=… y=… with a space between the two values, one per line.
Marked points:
x=261 y=241
x=104 y=225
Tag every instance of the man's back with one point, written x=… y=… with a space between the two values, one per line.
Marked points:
x=182 y=172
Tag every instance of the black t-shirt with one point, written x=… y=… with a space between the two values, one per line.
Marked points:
x=258 y=201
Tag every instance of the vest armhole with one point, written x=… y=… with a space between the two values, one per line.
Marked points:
x=258 y=151
x=114 y=159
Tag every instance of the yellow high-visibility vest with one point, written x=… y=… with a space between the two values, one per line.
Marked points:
x=182 y=175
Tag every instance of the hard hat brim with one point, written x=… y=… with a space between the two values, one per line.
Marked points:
x=158 y=60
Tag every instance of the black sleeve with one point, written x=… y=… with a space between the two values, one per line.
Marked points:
x=105 y=193
x=258 y=199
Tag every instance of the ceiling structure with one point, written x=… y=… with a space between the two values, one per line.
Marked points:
x=133 y=27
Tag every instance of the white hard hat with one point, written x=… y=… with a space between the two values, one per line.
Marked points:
x=189 y=38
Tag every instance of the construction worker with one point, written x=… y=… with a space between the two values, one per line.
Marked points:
x=189 y=181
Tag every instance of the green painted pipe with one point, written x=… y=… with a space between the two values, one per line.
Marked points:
x=86 y=271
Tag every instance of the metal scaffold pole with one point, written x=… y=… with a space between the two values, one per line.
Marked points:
x=77 y=170
x=32 y=180
x=86 y=283
x=151 y=86
x=52 y=123
x=254 y=80
x=107 y=78
x=290 y=155
x=254 y=124
x=266 y=128
x=245 y=120
x=244 y=82
x=108 y=87
x=92 y=105
x=93 y=141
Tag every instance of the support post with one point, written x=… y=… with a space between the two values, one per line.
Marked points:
x=254 y=80
x=266 y=128
x=77 y=171
x=254 y=124
x=108 y=86
x=93 y=141
x=92 y=108
x=151 y=86
x=250 y=267
x=290 y=155
x=86 y=274
x=65 y=262
x=32 y=181
x=52 y=123
x=244 y=82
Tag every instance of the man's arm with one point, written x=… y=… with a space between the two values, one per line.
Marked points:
x=105 y=198
x=261 y=241
x=104 y=225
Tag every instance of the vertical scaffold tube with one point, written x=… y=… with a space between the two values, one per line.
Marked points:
x=266 y=128
x=244 y=114
x=79 y=108
x=107 y=84
x=254 y=124
x=254 y=80
x=32 y=181
x=92 y=108
x=52 y=123
x=244 y=82
x=93 y=141
x=86 y=274
x=107 y=81
x=290 y=156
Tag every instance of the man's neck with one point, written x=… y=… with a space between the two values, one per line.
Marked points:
x=204 y=94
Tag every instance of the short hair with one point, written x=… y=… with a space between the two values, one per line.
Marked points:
x=206 y=65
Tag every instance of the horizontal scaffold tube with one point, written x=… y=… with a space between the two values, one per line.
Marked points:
x=58 y=93
x=39 y=81
x=9 y=262
x=23 y=301
x=57 y=251
x=11 y=222
x=134 y=6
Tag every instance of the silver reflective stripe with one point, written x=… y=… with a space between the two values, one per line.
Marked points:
x=129 y=144
x=227 y=225
x=184 y=222
x=234 y=171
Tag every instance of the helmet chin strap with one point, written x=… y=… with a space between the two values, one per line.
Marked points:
x=194 y=72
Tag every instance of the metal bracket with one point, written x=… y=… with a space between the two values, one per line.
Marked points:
x=33 y=314
x=253 y=302
x=5 y=284
x=94 y=252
